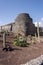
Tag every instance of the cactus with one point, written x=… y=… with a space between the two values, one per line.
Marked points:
x=38 y=31
x=4 y=40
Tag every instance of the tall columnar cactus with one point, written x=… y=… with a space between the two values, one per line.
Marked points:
x=38 y=31
x=4 y=40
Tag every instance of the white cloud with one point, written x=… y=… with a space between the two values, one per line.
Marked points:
x=42 y=19
x=40 y=22
x=36 y=24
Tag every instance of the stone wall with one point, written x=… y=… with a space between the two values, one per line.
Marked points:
x=6 y=28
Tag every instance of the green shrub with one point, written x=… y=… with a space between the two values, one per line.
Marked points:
x=20 y=41
x=16 y=41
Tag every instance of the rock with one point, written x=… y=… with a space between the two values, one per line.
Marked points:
x=24 y=24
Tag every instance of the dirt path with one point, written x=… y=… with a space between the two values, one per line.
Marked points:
x=20 y=55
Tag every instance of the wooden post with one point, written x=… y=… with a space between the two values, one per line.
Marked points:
x=4 y=40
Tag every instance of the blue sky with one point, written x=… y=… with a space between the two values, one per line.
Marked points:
x=9 y=10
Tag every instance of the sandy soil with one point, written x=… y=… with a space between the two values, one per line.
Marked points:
x=20 y=55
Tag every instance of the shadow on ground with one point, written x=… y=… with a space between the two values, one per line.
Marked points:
x=10 y=49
